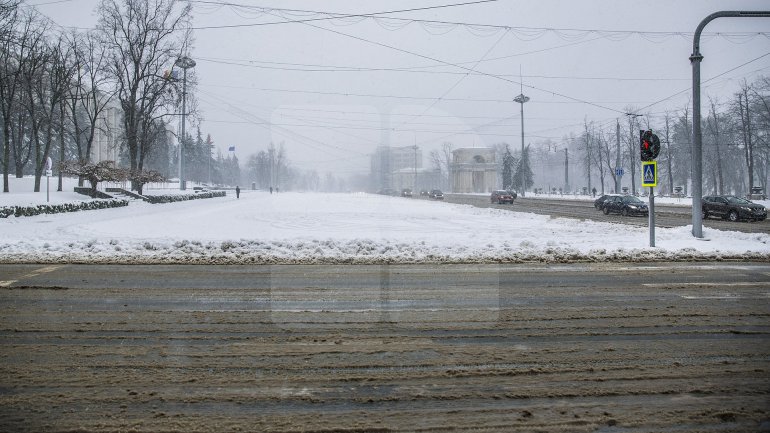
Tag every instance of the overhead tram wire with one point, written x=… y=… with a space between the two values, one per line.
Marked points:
x=705 y=81
x=454 y=86
x=337 y=16
x=245 y=115
x=463 y=67
x=606 y=33
x=415 y=69
x=412 y=69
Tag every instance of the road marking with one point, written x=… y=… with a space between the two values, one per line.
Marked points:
x=725 y=297
x=704 y=284
x=41 y=271
x=35 y=273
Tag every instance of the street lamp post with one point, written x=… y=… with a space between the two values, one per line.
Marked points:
x=521 y=99
x=185 y=63
x=414 y=183
x=697 y=162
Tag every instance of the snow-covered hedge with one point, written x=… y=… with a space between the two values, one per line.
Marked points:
x=183 y=197
x=20 y=211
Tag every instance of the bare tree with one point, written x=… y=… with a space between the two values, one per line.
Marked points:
x=587 y=144
x=669 y=157
x=141 y=36
x=441 y=160
x=713 y=126
x=90 y=94
x=743 y=105
x=10 y=77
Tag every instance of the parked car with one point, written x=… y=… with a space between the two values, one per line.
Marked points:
x=501 y=197
x=732 y=208
x=625 y=205
x=436 y=194
x=406 y=192
x=599 y=202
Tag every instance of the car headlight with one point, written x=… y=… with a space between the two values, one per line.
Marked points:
x=633 y=206
x=745 y=208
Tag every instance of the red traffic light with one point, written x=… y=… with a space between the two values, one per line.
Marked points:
x=649 y=145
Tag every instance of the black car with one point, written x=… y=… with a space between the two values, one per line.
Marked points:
x=732 y=208
x=436 y=194
x=599 y=202
x=625 y=205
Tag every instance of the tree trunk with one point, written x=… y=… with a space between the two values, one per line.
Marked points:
x=668 y=158
x=6 y=152
x=61 y=146
x=719 y=180
x=746 y=126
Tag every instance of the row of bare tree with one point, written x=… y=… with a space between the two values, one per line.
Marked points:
x=736 y=150
x=56 y=86
x=736 y=146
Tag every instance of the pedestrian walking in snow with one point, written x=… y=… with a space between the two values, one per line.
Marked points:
x=237 y=191
x=271 y=190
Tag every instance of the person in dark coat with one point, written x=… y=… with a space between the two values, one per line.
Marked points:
x=237 y=191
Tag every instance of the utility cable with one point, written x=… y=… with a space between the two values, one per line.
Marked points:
x=337 y=16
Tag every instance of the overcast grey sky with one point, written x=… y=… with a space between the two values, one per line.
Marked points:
x=333 y=90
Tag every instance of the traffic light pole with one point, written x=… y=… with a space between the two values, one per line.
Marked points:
x=652 y=216
x=697 y=158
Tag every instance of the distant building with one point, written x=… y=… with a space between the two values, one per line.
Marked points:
x=420 y=179
x=106 y=145
x=474 y=170
x=389 y=165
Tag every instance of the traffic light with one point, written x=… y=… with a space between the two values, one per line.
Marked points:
x=649 y=145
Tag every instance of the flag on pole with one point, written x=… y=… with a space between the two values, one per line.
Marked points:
x=231 y=149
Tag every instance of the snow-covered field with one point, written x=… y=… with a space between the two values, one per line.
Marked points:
x=338 y=228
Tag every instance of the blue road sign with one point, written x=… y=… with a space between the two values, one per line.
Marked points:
x=649 y=173
x=618 y=172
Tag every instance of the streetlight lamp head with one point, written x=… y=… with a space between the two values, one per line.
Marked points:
x=185 y=62
x=521 y=99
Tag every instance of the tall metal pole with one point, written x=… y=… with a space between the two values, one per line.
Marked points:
x=185 y=63
x=521 y=99
x=414 y=183
x=651 y=216
x=618 y=177
x=697 y=159
x=566 y=170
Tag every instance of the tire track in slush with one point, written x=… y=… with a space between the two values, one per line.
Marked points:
x=378 y=348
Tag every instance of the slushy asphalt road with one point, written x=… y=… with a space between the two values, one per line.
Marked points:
x=678 y=347
x=666 y=215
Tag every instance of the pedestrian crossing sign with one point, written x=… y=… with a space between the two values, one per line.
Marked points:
x=649 y=173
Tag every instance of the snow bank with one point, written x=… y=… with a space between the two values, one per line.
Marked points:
x=347 y=228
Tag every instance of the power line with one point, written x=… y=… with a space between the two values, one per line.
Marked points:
x=461 y=67
x=238 y=112
x=706 y=81
x=376 y=15
x=457 y=83
x=337 y=16
x=370 y=95
x=306 y=67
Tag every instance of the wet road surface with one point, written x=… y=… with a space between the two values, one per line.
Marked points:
x=666 y=215
x=586 y=347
